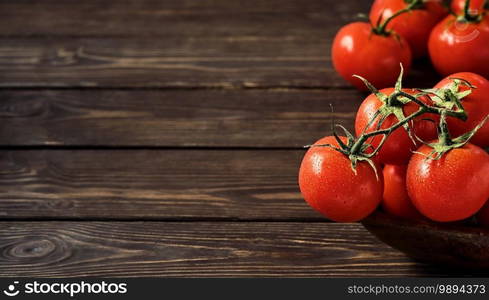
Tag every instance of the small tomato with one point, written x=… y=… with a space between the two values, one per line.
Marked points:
x=357 y=50
x=452 y=188
x=329 y=184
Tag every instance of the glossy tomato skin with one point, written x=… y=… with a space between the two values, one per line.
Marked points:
x=398 y=147
x=414 y=26
x=358 y=51
x=329 y=185
x=460 y=47
x=476 y=6
x=395 y=199
x=452 y=188
x=476 y=105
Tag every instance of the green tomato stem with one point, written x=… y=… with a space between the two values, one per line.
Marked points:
x=467 y=16
x=385 y=132
x=447 y=105
x=382 y=28
x=358 y=145
x=444 y=134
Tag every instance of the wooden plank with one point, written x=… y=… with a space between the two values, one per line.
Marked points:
x=152 y=184
x=168 y=63
x=169 y=43
x=207 y=118
x=199 y=249
x=172 y=43
x=255 y=62
x=195 y=18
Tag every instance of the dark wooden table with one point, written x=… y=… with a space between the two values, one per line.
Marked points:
x=163 y=138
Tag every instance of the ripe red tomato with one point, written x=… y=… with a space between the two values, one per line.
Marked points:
x=457 y=46
x=415 y=26
x=476 y=105
x=396 y=200
x=330 y=186
x=398 y=147
x=476 y=6
x=358 y=51
x=452 y=188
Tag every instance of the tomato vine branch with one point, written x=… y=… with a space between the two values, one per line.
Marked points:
x=447 y=104
x=381 y=29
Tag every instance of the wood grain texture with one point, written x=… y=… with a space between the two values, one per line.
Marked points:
x=196 y=18
x=300 y=62
x=198 y=249
x=167 y=62
x=170 y=43
x=173 y=44
x=152 y=184
x=208 y=118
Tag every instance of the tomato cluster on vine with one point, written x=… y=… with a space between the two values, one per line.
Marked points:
x=455 y=37
x=416 y=153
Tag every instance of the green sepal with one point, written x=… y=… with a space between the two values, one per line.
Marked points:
x=450 y=97
x=339 y=141
x=356 y=158
x=349 y=136
x=382 y=97
x=398 y=85
x=445 y=143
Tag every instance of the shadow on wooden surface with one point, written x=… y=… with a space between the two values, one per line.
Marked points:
x=449 y=245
